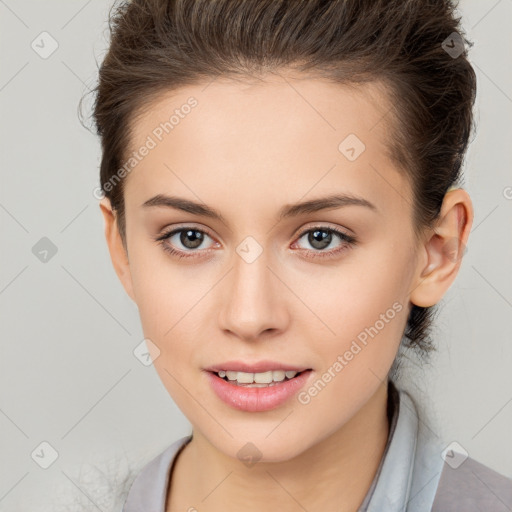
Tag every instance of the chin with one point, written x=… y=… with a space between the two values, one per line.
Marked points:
x=258 y=446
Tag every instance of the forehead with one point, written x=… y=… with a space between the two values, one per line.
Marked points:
x=282 y=135
x=228 y=110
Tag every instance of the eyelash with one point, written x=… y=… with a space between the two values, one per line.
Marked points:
x=348 y=241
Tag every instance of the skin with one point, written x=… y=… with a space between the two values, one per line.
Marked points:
x=247 y=150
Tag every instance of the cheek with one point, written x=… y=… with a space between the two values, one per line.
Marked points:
x=164 y=291
x=357 y=358
x=364 y=308
x=368 y=334
x=355 y=295
x=170 y=300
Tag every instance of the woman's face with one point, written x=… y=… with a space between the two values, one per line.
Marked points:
x=254 y=285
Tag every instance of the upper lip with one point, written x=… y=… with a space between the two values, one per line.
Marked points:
x=256 y=367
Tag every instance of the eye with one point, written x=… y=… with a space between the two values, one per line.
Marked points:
x=188 y=237
x=191 y=239
x=320 y=237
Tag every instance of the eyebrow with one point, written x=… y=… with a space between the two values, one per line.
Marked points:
x=288 y=210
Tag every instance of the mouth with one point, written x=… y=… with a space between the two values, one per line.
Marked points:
x=266 y=379
x=246 y=392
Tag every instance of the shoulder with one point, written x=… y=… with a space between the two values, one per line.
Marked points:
x=149 y=488
x=472 y=486
x=441 y=480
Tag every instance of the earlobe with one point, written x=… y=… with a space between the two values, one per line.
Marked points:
x=444 y=249
x=116 y=248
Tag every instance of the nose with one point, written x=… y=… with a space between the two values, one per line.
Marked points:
x=254 y=301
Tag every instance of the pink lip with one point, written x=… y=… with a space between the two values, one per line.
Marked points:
x=258 y=367
x=257 y=399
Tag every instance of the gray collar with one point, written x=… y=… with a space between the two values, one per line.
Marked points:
x=410 y=469
x=406 y=480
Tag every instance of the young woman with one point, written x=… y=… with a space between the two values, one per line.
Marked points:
x=282 y=202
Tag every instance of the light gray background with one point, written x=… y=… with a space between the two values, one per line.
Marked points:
x=68 y=375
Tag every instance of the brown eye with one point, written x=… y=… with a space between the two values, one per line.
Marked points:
x=321 y=237
x=183 y=242
x=191 y=238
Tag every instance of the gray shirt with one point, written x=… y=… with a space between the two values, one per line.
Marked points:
x=413 y=475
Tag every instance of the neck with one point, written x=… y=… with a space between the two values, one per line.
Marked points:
x=334 y=474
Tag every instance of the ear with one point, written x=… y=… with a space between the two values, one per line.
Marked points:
x=443 y=249
x=118 y=253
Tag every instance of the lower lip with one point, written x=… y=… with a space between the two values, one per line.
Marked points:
x=257 y=399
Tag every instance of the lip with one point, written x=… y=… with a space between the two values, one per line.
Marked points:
x=250 y=399
x=256 y=367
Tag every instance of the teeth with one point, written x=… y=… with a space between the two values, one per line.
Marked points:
x=258 y=378
x=264 y=378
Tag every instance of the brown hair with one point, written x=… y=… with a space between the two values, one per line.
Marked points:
x=415 y=48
